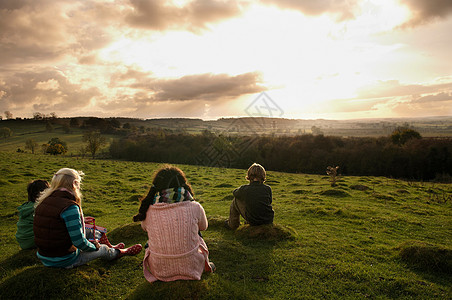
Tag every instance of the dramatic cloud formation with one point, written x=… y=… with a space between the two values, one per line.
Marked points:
x=211 y=58
x=197 y=14
x=342 y=9
x=47 y=91
x=406 y=99
x=425 y=11
x=203 y=87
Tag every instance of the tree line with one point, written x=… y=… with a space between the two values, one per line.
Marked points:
x=404 y=154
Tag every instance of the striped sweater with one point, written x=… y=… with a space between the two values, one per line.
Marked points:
x=75 y=226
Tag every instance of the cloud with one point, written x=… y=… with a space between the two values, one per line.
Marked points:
x=206 y=87
x=196 y=15
x=148 y=96
x=425 y=11
x=393 y=88
x=342 y=9
x=435 y=98
x=46 y=31
x=392 y=96
x=44 y=91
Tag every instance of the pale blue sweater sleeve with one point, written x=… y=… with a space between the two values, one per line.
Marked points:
x=73 y=220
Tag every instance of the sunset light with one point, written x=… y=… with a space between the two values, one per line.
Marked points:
x=210 y=59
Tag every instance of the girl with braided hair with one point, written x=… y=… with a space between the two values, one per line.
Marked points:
x=172 y=220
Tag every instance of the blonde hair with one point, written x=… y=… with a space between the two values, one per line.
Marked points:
x=256 y=171
x=67 y=178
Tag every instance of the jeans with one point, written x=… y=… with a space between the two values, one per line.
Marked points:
x=103 y=252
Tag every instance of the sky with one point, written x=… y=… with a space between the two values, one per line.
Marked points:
x=302 y=59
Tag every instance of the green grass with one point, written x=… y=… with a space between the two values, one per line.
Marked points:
x=23 y=131
x=368 y=237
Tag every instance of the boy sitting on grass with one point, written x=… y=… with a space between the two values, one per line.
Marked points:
x=252 y=201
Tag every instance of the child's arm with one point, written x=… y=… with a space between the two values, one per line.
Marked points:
x=237 y=192
x=72 y=218
x=202 y=223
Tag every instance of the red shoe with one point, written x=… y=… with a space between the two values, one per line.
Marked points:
x=209 y=267
x=119 y=246
x=104 y=240
x=134 y=250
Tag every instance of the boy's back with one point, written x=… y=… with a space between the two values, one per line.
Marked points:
x=257 y=198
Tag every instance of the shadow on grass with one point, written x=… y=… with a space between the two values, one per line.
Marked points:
x=129 y=234
x=244 y=265
x=428 y=260
x=426 y=257
x=39 y=282
x=210 y=286
x=21 y=259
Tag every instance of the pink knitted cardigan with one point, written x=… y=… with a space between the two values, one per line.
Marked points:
x=176 y=251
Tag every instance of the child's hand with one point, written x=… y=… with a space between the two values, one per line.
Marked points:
x=96 y=243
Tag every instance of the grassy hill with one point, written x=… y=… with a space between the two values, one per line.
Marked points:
x=368 y=237
x=22 y=130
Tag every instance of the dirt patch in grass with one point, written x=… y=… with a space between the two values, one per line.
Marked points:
x=426 y=257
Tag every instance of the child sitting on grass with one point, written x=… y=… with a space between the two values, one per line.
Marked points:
x=172 y=220
x=24 y=234
x=59 y=226
x=252 y=201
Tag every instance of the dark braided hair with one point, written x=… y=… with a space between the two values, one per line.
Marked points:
x=166 y=177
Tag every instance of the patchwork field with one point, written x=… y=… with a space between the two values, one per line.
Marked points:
x=368 y=237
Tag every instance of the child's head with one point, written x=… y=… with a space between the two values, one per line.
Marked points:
x=164 y=178
x=256 y=173
x=35 y=188
x=170 y=177
x=67 y=178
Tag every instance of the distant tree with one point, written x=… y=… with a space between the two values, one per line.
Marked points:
x=38 y=116
x=316 y=130
x=56 y=146
x=31 y=144
x=332 y=172
x=53 y=115
x=1 y=118
x=115 y=123
x=66 y=128
x=74 y=122
x=8 y=115
x=94 y=141
x=82 y=151
x=44 y=148
x=403 y=134
x=49 y=127
x=5 y=132
x=126 y=126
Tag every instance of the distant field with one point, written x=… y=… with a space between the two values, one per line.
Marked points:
x=22 y=132
x=368 y=237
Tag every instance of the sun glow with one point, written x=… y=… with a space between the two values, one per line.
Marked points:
x=304 y=61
